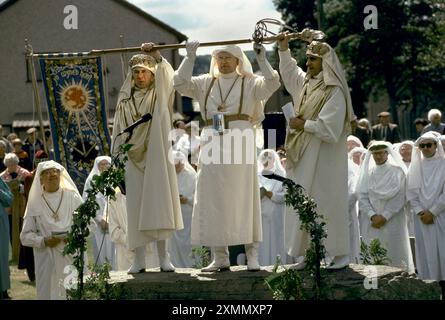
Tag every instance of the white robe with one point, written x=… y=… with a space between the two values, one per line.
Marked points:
x=430 y=239
x=180 y=247
x=322 y=169
x=103 y=248
x=49 y=262
x=152 y=191
x=227 y=203
x=386 y=197
x=117 y=219
x=354 y=229
x=272 y=216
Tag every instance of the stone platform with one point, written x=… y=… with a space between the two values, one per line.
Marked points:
x=240 y=284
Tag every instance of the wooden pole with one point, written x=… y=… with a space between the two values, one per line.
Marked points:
x=30 y=61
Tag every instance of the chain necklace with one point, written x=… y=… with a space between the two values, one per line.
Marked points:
x=222 y=107
x=55 y=213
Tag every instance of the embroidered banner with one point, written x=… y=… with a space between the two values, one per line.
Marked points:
x=76 y=109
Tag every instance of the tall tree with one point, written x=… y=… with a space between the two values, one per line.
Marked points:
x=402 y=57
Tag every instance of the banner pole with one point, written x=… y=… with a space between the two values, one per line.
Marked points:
x=30 y=61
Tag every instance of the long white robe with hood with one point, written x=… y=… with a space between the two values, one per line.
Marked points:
x=319 y=160
x=426 y=190
x=39 y=223
x=153 y=206
x=272 y=210
x=381 y=190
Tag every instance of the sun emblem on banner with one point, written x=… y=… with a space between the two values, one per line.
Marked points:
x=75 y=97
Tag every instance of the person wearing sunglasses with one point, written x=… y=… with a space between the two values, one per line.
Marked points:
x=426 y=195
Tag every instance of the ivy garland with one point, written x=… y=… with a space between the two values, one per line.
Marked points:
x=104 y=183
x=311 y=222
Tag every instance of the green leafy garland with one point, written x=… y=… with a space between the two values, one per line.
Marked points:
x=104 y=183
x=312 y=223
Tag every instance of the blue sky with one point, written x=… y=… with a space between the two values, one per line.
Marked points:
x=211 y=20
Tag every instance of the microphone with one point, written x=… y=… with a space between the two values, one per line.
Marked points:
x=145 y=118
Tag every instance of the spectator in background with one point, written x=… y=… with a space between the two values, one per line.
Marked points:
x=5 y=201
x=32 y=145
x=14 y=176
x=49 y=146
x=360 y=132
x=11 y=137
x=24 y=160
x=3 y=147
x=5 y=140
x=435 y=118
x=420 y=123
x=364 y=123
x=385 y=131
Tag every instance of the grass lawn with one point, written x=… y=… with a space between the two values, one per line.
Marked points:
x=21 y=287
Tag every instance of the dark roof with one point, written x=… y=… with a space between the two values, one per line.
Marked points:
x=181 y=37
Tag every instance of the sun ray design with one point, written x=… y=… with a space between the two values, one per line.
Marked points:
x=75 y=99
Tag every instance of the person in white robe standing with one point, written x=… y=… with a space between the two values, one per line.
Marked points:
x=272 y=195
x=53 y=198
x=153 y=207
x=103 y=247
x=354 y=229
x=227 y=207
x=381 y=193
x=116 y=214
x=405 y=149
x=180 y=245
x=426 y=195
x=316 y=146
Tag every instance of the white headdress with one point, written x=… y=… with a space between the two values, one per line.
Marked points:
x=95 y=171
x=368 y=164
x=35 y=199
x=355 y=150
x=274 y=163
x=138 y=60
x=415 y=178
x=244 y=67
x=333 y=73
x=179 y=157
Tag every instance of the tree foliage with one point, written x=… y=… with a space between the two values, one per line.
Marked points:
x=402 y=57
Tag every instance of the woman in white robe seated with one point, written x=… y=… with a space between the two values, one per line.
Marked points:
x=381 y=193
x=48 y=218
x=180 y=244
x=272 y=208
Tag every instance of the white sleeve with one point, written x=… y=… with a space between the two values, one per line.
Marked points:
x=29 y=235
x=329 y=124
x=439 y=205
x=117 y=234
x=365 y=205
x=291 y=73
x=278 y=197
